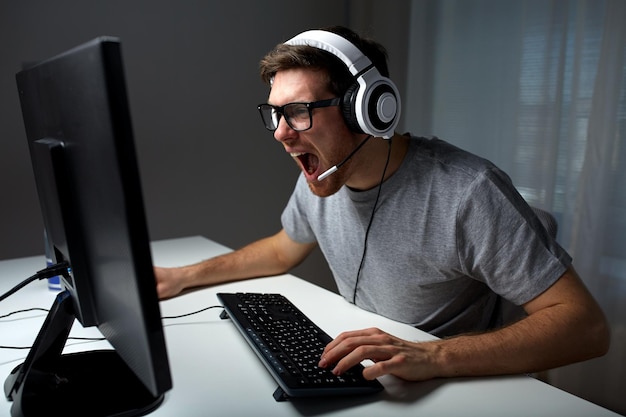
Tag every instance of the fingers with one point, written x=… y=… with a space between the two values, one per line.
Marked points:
x=347 y=337
x=351 y=348
x=391 y=355
x=381 y=355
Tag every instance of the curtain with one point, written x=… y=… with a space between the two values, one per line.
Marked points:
x=538 y=87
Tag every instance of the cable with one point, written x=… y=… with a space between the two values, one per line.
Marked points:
x=192 y=313
x=94 y=339
x=18 y=312
x=61 y=268
x=45 y=310
x=369 y=225
x=18 y=287
x=15 y=347
x=90 y=339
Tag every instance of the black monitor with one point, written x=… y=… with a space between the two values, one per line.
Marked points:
x=79 y=134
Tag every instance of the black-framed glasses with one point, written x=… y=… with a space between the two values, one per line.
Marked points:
x=297 y=115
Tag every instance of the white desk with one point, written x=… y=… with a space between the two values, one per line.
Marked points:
x=216 y=373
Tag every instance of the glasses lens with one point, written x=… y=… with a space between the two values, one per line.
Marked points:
x=298 y=116
x=270 y=116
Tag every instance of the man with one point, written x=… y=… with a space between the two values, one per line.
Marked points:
x=412 y=228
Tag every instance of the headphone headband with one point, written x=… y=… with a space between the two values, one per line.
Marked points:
x=337 y=45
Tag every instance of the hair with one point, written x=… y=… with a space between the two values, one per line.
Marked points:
x=284 y=57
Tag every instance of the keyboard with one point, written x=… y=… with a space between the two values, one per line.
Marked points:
x=290 y=345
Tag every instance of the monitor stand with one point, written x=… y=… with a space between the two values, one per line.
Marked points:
x=92 y=383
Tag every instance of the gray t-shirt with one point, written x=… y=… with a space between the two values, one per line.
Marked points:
x=450 y=236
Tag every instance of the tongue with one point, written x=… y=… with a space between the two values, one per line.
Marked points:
x=311 y=163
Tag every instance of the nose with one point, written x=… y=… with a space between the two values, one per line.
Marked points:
x=284 y=132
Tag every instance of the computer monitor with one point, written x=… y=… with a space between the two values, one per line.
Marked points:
x=78 y=128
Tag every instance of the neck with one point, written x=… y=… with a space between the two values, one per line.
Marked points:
x=372 y=159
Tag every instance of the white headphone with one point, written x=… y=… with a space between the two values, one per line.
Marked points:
x=372 y=104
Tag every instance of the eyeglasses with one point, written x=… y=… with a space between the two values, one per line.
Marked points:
x=297 y=115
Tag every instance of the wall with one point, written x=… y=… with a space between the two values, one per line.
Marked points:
x=208 y=167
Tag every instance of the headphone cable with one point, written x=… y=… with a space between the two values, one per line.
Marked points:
x=369 y=225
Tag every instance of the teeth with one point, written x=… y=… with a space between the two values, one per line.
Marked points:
x=296 y=154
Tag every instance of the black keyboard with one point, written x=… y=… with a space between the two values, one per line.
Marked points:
x=290 y=346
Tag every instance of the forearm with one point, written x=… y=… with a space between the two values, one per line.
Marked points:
x=270 y=256
x=254 y=260
x=530 y=345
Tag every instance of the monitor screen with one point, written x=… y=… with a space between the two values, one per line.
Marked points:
x=78 y=128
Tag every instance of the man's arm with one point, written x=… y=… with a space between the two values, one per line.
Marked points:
x=273 y=255
x=564 y=325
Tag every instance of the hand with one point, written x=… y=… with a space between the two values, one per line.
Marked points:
x=407 y=360
x=168 y=282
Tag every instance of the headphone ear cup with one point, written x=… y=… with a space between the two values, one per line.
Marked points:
x=348 y=108
x=382 y=106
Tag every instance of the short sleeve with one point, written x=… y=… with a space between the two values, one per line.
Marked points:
x=501 y=242
x=294 y=218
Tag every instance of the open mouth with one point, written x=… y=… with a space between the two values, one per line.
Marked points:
x=309 y=162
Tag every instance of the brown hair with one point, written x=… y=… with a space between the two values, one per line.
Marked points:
x=284 y=57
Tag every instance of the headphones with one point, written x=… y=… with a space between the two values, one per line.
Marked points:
x=372 y=104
